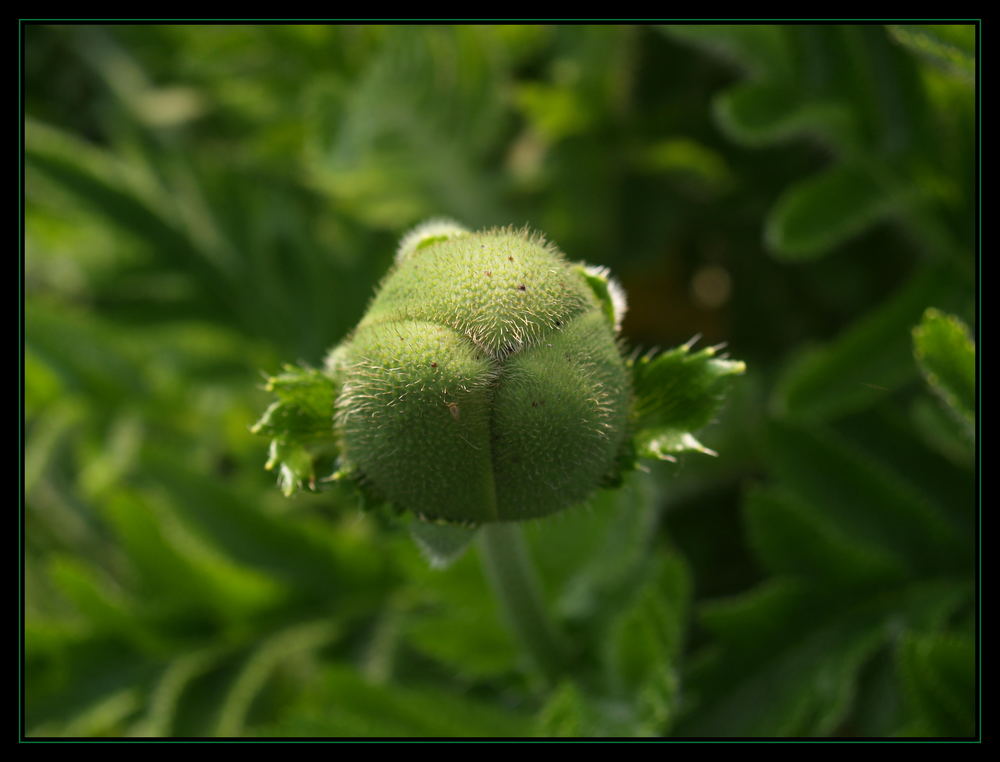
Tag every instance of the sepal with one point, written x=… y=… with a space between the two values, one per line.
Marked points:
x=676 y=393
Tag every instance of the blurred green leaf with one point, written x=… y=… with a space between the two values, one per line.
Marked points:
x=791 y=536
x=827 y=209
x=938 y=675
x=181 y=570
x=165 y=698
x=687 y=158
x=788 y=657
x=565 y=714
x=868 y=500
x=800 y=684
x=106 y=609
x=291 y=643
x=857 y=93
x=947 y=359
x=759 y=114
x=105 y=717
x=88 y=356
x=952 y=47
x=340 y=703
x=869 y=359
x=593 y=558
x=760 y=48
x=556 y=112
x=941 y=431
x=118 y=191
x=645 y=645
x=304 y=553
x=455 y=620
x=406 y=142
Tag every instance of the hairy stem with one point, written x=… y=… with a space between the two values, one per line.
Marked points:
x=515 y=583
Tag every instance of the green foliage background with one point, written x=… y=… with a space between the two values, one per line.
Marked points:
x=204 y=203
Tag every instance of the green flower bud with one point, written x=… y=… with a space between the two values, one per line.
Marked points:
x=485 y=382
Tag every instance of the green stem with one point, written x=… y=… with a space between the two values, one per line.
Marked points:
x=516 y=585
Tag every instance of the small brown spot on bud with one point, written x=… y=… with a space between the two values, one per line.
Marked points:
x=434 y=364
x=489 y=273
x=522 y=287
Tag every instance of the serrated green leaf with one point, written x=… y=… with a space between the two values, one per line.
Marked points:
x=947 y=358
x=827 y=209
x=299 y=424
x=307 y=388
x=938 y=677
x=303 y=412
x=676 y=393
x=295 y=467
x=869 y=359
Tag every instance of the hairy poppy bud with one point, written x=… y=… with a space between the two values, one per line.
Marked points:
x=485 y=382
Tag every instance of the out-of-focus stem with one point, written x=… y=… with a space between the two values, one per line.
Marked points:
x=517 y=587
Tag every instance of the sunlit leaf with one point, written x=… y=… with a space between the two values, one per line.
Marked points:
x=299 y=424
x=677 y=393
